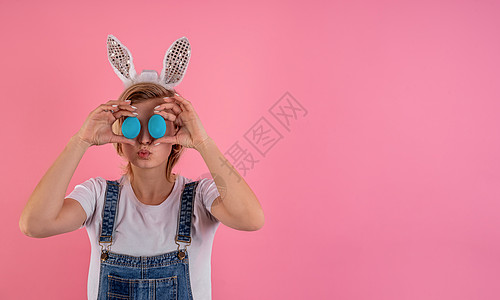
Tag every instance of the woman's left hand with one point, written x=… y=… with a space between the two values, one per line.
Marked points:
x=190 y=132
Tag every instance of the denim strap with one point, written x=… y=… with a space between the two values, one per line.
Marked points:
x=109 y=211
x=185 y=212
x=111 y=204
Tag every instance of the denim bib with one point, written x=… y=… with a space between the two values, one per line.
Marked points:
x=164 y=276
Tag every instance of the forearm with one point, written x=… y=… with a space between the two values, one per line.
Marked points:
x=47 y=199
x=236 y=195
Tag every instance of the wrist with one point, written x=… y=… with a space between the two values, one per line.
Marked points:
x=200 y=146
x=76 y=140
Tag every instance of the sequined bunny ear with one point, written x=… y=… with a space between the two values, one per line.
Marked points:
x=175 y=63
x=121 y=60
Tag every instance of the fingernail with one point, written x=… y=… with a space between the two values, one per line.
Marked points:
x=135 y=113
x=157 y=107
x=133 y=106
x=115 y=105
x=128 y=100
x=157 y=144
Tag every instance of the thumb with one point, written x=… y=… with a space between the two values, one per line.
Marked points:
x=167 y=140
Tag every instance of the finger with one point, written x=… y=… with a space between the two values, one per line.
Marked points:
x=183 y=103
x=178 y=122
x=121 y=104
x=167 y=140
x=121 y=113
x=166 y=115
x=171 y=111
x=117 y=107
x=107 y=108
x=170 y=105
x=127 y=107
x=177 y=128
x=125 y=104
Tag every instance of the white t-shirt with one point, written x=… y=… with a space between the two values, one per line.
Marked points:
x=147 y=230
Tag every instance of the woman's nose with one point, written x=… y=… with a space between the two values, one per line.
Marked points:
x=144 y=136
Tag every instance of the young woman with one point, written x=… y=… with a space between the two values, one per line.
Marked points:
x=151 y=231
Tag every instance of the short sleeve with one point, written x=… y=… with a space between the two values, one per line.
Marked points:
x=86 y=194
x=209 y=193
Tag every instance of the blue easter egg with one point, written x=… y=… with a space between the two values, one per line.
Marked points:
x=157 y=126
x=131 y=127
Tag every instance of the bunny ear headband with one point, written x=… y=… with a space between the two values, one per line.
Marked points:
x=175 y=64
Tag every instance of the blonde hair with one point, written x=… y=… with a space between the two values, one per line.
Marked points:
x=138 y=93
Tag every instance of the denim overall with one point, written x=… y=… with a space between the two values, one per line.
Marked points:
x=164 y=276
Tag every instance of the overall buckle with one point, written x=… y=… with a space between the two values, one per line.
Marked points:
x=182 y=252
x=104 y=253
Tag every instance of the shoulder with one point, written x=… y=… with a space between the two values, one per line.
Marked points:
x=96 y=185
x=93 y=183
x=203 y=185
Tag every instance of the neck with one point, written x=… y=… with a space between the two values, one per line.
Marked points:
x=151 y=185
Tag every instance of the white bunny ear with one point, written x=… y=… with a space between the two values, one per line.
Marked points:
x=121 y=60
x=175 y=63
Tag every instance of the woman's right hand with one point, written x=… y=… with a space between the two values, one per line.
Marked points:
x=96 y=129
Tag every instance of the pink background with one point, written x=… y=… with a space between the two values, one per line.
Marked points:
x=387 y=188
